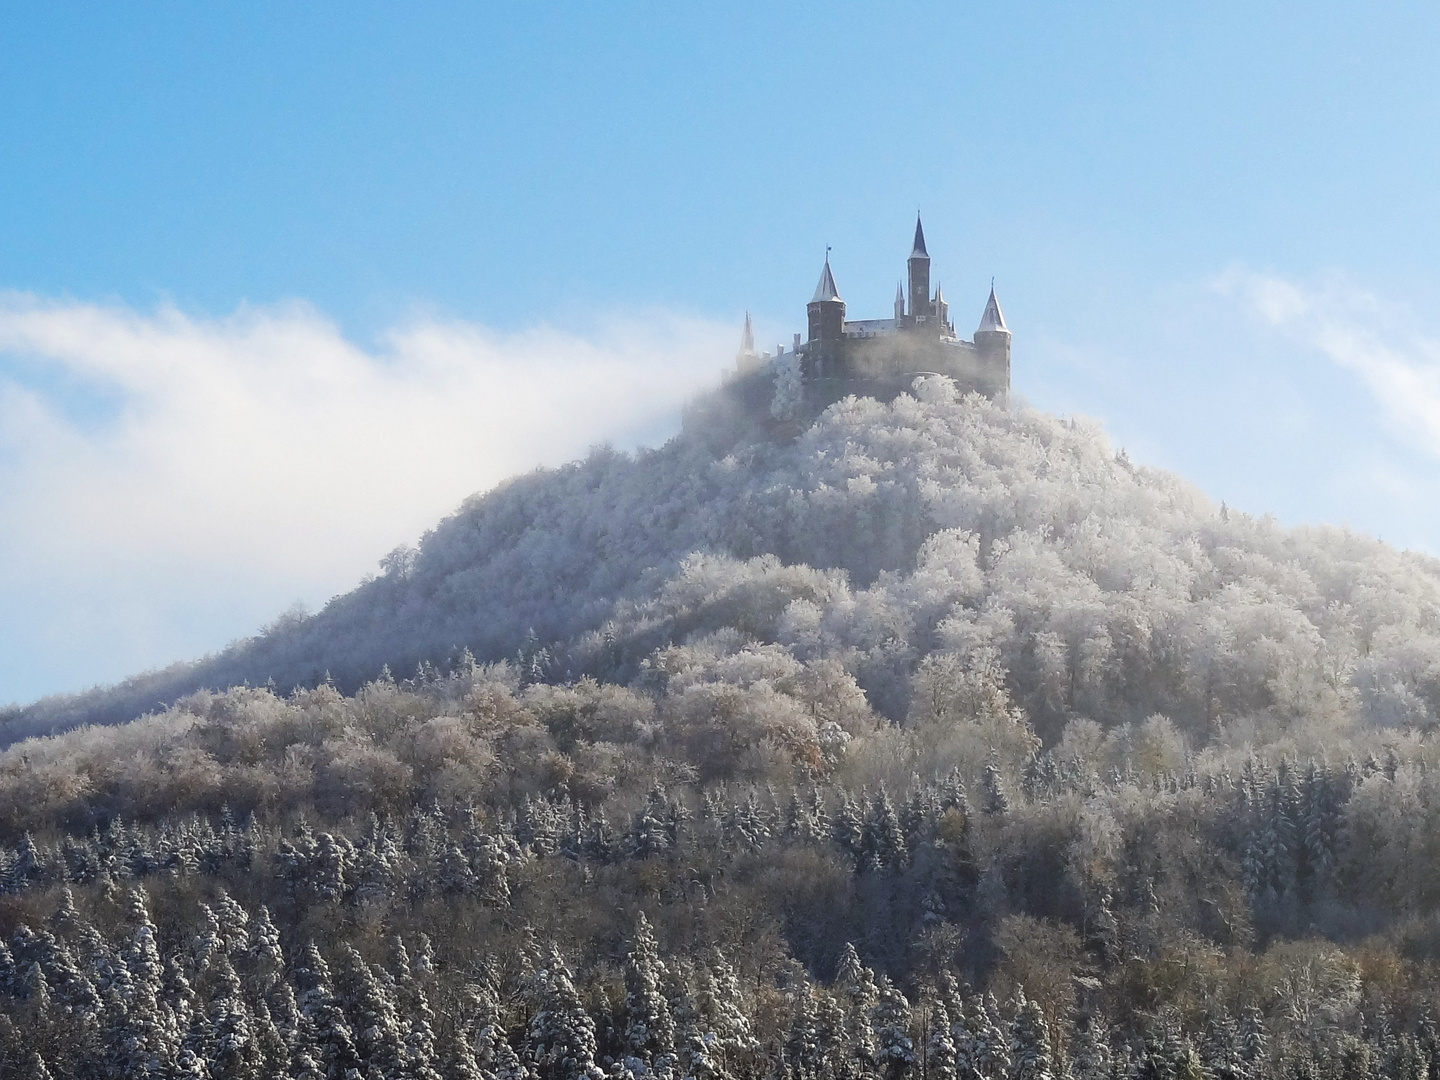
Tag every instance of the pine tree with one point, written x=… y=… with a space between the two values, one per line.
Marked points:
x=417 y=1018
x=235 y=1052
x=1090 y=1057
x=1318 y=830
x=1029 y=1043
x=941 y=1055
x=324 y=1023
x=856 y=985
x=1254 y=1042
x=891 y=1021
x=457 y=1056
x=995 y=803
x=721 y=1008
x=267 y=960
x=802 y=1044
x=455 y=876
x=991 y=1057
x=648 y=834
x=798 y=827
x=562 y=1035
x=142 y=1037
x=847 y=828
x=370 y=1001
x=882 y=841
x=649 y=1029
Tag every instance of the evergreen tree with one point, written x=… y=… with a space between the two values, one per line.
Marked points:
x=991 y=1055
x=370 y=1001
x=720 y=1006
x=1090 y=1057
x=421 y=1057
x=324 y=1024
x=562 y=1035
x=856 y=985
x=995 y=802
x=234 y=1050
x=941 y=1056
x=649 y=1035
x=847 y=828
x=891 y=1021
x=1029 y=1043
x=882 y=840
x=802 y=1044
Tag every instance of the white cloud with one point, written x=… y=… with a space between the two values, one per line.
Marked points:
x=168 y=480
x=1398 y=365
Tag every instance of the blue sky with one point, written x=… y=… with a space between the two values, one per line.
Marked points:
x=1214 y=227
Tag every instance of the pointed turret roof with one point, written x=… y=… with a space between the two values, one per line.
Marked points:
x=899 y=293
x=826 y=289
x=747 y=338
x=992 y=319
x=918 y=250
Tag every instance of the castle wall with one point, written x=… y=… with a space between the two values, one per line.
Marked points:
x=886 y=365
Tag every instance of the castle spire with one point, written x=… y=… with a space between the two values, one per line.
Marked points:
x=992 y=319
x=747 y=341
x=917 y=267
x=918 y=249
x=826 y=290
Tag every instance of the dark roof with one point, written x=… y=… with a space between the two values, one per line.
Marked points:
x=919 y=248
x=826 y=289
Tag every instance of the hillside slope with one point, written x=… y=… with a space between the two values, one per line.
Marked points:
x=1110 y=591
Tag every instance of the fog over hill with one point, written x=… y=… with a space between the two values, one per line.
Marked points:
x=883 y=535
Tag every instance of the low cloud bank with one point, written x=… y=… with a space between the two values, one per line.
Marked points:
x=170 y=482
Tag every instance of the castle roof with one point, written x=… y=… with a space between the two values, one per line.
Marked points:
x=992 y=319
x=918 y=250
x=826 y=289
x=747 y=338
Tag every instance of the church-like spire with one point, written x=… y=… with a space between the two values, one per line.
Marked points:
x=826 y=290
x=747 y=340
x=918 y=250
x=992 y=319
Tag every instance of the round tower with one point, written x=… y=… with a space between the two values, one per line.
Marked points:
x=992 y=349
x=826 y=315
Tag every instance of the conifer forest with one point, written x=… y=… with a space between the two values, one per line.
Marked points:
x=939 y=741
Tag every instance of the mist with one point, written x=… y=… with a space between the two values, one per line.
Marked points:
x=173 y=481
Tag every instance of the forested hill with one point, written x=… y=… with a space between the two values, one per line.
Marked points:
x=938 y=743
x=883 y=534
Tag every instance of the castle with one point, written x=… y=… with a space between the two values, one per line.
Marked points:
x=881 y=358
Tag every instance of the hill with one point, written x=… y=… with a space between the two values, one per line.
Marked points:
x=1110 y=590
x=938 y=739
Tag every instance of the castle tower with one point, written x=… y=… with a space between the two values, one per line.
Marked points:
x=747 y=358
x=992 y=348
x=919 y=267
x=899 y=304
x=826 y=315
